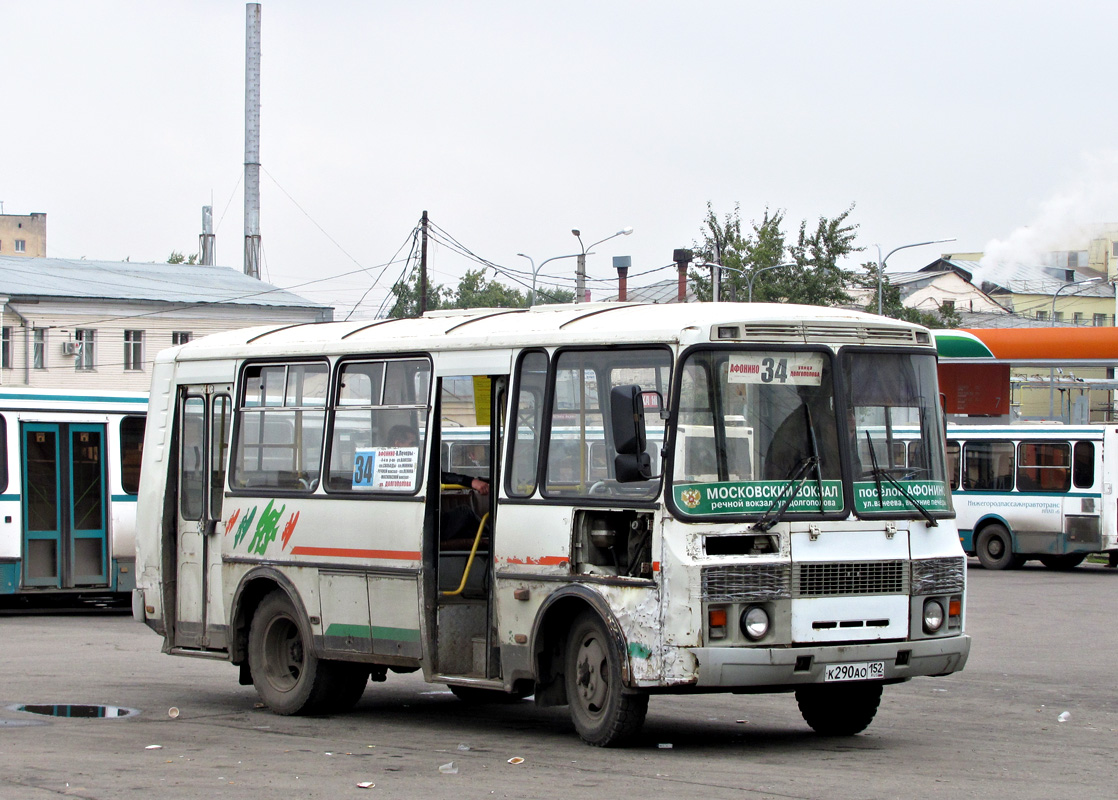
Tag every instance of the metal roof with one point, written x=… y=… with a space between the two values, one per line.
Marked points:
x=660 y=292
x=124 y=280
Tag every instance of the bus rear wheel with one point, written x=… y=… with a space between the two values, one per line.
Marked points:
x=839 y=709
x=1066 y=561
x=604 y=714
x=287 y=674
x=994 y=549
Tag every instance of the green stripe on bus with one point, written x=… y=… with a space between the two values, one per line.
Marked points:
x=73 y=398
x=373 y=632
x=9 y=497
x=125 y=498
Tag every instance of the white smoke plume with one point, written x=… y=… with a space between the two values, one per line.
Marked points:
x=1068 y=221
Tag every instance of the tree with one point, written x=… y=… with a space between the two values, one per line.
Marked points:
x=474 y=291
x=178 y=258
x=893 y=306
x=407 y=297
x=812 y=276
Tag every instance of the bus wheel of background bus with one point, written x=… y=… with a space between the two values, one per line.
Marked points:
x=839 y=709
x=287 y=674
x=603 y=713
x=994 y=548
x=1067 y=561
x=475 y=695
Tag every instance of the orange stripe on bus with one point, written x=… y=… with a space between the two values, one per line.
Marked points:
x=347 y=552
x=549 y=561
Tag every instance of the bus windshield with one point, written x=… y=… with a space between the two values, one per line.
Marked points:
x=899 y=435
x=761 y=430
x=750 y=422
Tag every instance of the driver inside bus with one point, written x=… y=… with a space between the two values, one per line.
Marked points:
x=406 y=436
x=792 y=442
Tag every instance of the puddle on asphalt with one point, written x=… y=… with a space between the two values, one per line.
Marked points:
x=76 y=711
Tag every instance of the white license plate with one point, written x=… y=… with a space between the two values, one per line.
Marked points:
x=865 y=671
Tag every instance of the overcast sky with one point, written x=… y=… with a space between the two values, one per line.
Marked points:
x=512 y=123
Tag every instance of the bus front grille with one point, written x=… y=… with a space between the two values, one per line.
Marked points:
x=831 y=578
x=746 y=583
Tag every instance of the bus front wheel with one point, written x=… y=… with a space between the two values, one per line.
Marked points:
x=604 y=714
x=994 y=548
x=287 y=674
x=839 y=709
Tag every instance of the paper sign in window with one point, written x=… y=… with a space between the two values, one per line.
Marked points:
x=388 y=469
x=782 y=369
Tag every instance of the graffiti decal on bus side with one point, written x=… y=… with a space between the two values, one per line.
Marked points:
x=267 y=528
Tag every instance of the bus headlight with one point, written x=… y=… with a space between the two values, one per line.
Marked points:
x=754 y=623
x=933 y=616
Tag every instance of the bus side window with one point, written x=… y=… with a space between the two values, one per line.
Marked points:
x=1084 y=465
x=531 y=383
x=953 y=464
x=1043 y=467
x=988 y=466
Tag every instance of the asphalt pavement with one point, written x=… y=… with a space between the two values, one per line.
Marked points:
x=1034 y=715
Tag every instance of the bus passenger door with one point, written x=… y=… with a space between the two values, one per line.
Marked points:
x=470 y=432
x=203 y=425
x=64 y=505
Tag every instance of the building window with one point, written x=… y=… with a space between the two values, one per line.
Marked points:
x=21 y=245
x=1058 y=316
x=84 y=338
x=6 y=347
x=1100 y=320
x=181 y=337
x=39 y=348
x=133 y=350
x=947 y=306
x=1078 y=318
x=1042 y=315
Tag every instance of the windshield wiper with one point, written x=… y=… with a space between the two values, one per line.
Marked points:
x=791 y=489
x=815 y=455
x=884 y=473
x=875 y=470
x=879 y=473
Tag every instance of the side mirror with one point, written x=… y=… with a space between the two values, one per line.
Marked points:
x=631 y=462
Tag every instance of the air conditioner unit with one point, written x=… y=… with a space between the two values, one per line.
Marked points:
x=71 y=348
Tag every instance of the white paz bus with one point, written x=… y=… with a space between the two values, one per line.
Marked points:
x=591 y=504
x=69 y=477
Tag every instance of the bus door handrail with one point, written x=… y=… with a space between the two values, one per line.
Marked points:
x=470 y=560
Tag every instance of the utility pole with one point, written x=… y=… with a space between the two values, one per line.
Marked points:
x=423 y=265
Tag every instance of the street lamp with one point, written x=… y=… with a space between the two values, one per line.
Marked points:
x=881 y=263
x=536 y=270
x=1068 y=286
x=757 y=272
x=580 y=275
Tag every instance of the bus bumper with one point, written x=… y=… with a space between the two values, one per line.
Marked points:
x=729 y=667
